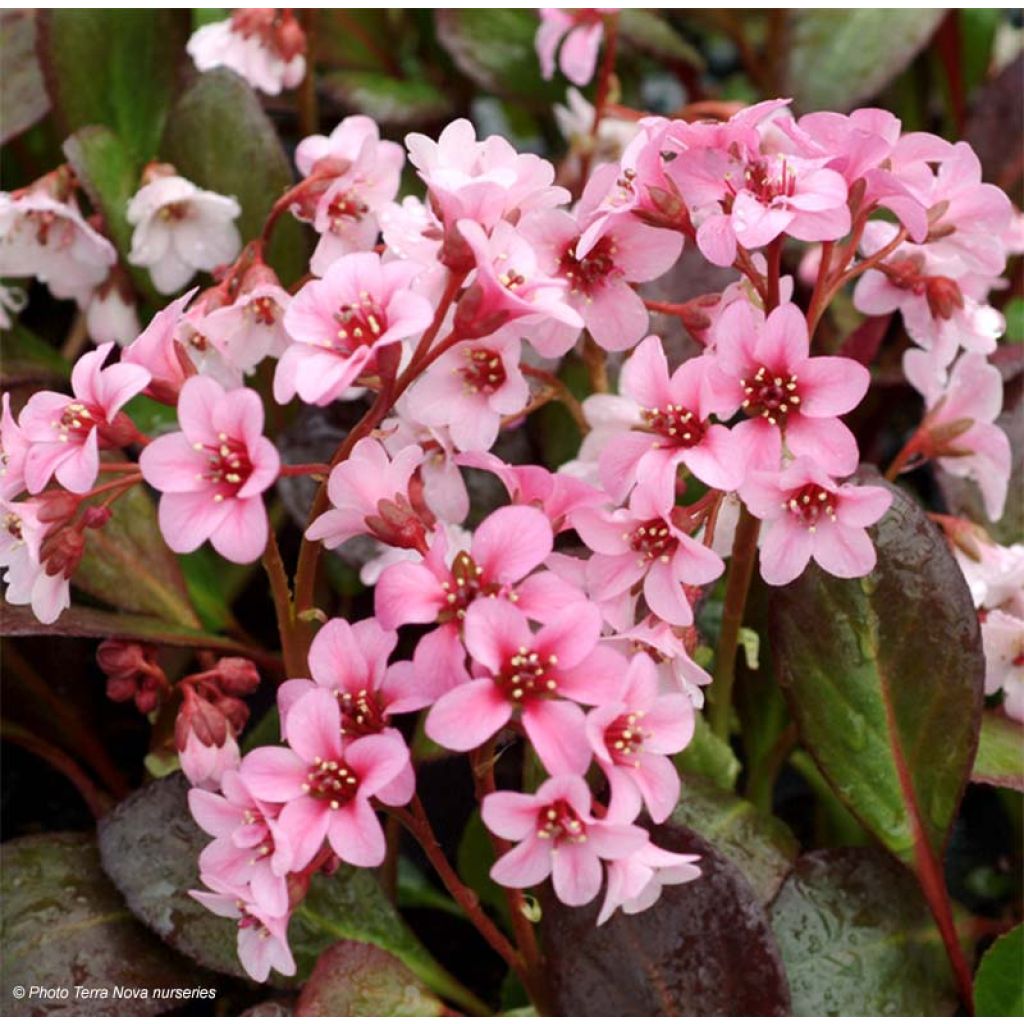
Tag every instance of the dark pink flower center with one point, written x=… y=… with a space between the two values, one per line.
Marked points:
x=484 y=372
x=466 y=584
x=346 y=206
x=653 y=540
x=528 y=674
x=561 y=824
x=769 y=180
x=361 y=714
x=589 y=273
x=624 y=739
x=359 y=323
x=12 y=524
x=76 y=421
x=771 y=395
x=680 y=427
x=264 y=311
x=810 y=503
x=333 y=781
x=227 y=466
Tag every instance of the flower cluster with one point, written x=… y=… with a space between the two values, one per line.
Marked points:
x=564 y=619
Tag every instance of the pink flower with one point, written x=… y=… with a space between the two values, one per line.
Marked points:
x=13 y=449
x=370 y=494
x=763 y=366
x=666 y=424
x=213 y=472
x=340 y=323
x=326 y=783
x=517 y=670
x=470 y=388
x=556 y=834
x=635 y=881
x=262 y=937
x=582 y=31
x=204 y=764
x=632 y=736
x=64 y=434
x=26 y=575
x=960 y=422
x=663 y=644
x=1002 y=636
x=644 y=543
x=157 y=350
x=808 y=515
x=248 y=848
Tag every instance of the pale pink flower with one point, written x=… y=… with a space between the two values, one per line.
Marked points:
x=326 y=783
x=961 y=422
x=111 y=315
x=1002 y=636
x=411 y=231
x=213 y=472
x=204 y=764
x=470 y=388
x=65 y=433
x=179 y=229
x=763 y=365
x=517 y=670
x=575 y=36
x=575 y=120
x=262 y=938
x=27 y=578
x=635 y=881
x=631 y=738
x=265 y=46
x=556 y=834
x=340 y=324
x=13 y=449
x=995 y=576
x=644 y=543
x=157 y=350
x=662 y=643
x=808 y=515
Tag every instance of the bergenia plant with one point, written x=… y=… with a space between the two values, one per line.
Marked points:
x=546 y=544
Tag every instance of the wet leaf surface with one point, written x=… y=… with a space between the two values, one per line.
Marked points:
x=1000 y=760
x=858 y=940
x=704 y=949
x=65 y=925
x=395 y=102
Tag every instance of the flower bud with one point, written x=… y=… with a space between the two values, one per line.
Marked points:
x=944 y=297
x=237 y=676
x=399 y=525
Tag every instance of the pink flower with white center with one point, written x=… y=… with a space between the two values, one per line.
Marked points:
x=340 y=324
x=49 y=239
x=179 y=229
x=248 y=848
x=517 y=670
x=808 y=515
x=13 y=448
x=326 y=783
x=22 y=533
x=157 y=350
x=213 y=472
x=960 y=424
x=763 y=365
x=470 y=388
x=506 y=548
x=509 y=284
x=751 y=199
x=370 y=493
x=262 y=937
x=556 y=834
x=1002 y=636
x=631 y=738
x=598 y=282
x=65 y=432
x=644 y=544
x=668 y=426
x=575 y=36
x=635 y=882
x=265 y=46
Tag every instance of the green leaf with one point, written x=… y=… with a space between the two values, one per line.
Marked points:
x=837 y=58
x=213 y=585
x=354 y=979
x=23 y=99
x=113 y=67
x=64 y=925
x=395 y=102
x=1000 y=760
x=709 y=755
x=128 y=566
x=857 y=939
x=219 y=136
x=885 y=677
x=978 y=28
x=494 y=47
x=652 y=34
x=999 y=983
x=759 y=844
x=474 y=861
x=27 y=359
x=359 y=38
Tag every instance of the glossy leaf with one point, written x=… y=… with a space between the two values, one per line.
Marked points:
x=394 y=102
x=113 y=67
x=884 y=676
x=23 y=99
x=64 y=925
x=1000 y=760
x=836 y=58
x=704 y=949
x=759 y=844
x=709 y=755
x=857 y=939
x=354 y=979
x=999 y=983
